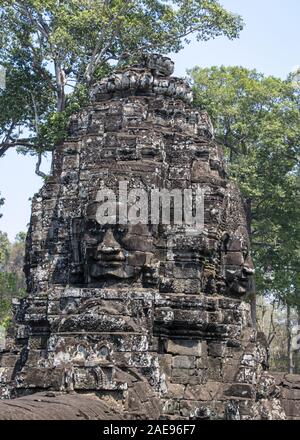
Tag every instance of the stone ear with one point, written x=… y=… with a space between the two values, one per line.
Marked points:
x=151 y=271
x=75 y=239
x=224 y=241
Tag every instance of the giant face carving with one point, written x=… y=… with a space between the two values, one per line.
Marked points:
x=114 y=253
x=117 y=252
x=168 y=257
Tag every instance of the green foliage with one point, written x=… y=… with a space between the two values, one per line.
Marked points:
x=20 y=238
x=257 y=119
x=49 y=46
x=26 y=102
x=272 y=321
x=4 y=249
x=9 y=288
x=54 y=130
x=12 y=280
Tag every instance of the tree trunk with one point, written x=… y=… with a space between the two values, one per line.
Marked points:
x=297 y=352
x=60 y=87
x=289 y=340
x=61 y=99
x=253 y=309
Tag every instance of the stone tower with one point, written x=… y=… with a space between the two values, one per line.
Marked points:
x=150 y=317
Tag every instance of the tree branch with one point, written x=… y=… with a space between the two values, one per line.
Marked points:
x=4 y=146
x=96 y=57
x=23 y=143
x=38 y=172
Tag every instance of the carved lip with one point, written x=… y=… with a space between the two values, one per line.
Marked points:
x=110 y=259
x=101 y=268
x=109 y=264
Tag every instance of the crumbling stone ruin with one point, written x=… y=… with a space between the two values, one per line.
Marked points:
x=137 y=320
x=289 y=385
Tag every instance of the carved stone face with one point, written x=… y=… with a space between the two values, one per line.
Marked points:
x=116 y=251
x=172 y=257
x=114 y=254
x=238 y=265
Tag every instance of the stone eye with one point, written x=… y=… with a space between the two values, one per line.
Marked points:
x=90 y=239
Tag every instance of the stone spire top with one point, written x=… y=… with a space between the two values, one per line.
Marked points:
x=151 y=77
x=158 y=64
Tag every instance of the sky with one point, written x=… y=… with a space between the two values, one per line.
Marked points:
x=269 y=42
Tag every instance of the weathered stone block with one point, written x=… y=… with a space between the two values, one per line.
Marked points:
x=203 y=392
x=241 y=390
x=183 y=362
x=175 y=390
x=216 y=349
x=184 y=347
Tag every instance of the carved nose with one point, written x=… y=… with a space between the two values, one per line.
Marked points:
x=110 y=249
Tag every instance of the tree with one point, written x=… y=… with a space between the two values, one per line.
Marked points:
x=50 y=46
x=4 y=250
x=257 y=120
x=277 y=321
x=12 y=280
